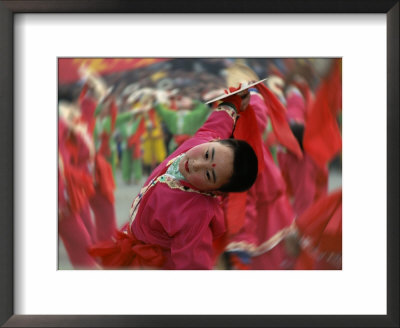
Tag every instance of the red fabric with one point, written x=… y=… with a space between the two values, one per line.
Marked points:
x=273 y=70
x=173 y=105
x=307 y=95
x=79 y=186
x=180 y=139
x=322 y=139
x=295 y=107
x=104 y=149
x=76 y=240
x=137 y=152
x=305 y=181
x=104 y=177
x=71 y=148
x=237 y=264
x=62 y=199
x=305 y=261
x=235 y=212
x=270 y=140
x=68 y=68
x=219 y=246
x=127 y=251
x=321 y=225
x=279 y=122
x=235 y=100
x=247 y=129
x=88 y=107
x=104 y=215
x=134 y=139
x=114 y=112
x=152 y=116
x=314 y=221
x=84 y=90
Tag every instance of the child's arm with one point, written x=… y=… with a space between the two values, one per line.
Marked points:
x=220 y=124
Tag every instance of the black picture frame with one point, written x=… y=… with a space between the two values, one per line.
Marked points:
x=7 y=11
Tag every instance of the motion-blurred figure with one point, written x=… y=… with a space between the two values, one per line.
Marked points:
x=264 y=212
x=183 y=121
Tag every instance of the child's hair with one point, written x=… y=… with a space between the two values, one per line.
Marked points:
x=245 y=166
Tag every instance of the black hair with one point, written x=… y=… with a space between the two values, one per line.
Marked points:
x=298 y=132
x=245 y=166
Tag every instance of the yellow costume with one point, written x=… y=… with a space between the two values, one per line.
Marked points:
x=153 y=146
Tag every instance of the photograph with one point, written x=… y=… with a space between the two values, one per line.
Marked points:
x=200 y=163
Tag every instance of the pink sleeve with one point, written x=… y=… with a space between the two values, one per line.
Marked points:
x=219 y=125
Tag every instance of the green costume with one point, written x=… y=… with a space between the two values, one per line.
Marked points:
x=126 y=125
x=183 y=121
x=129 y=163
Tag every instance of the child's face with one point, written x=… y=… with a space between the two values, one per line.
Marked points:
x=207 y=166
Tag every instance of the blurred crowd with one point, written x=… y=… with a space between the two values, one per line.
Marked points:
x=131 y=120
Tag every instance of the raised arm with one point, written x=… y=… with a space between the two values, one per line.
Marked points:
x=168 y=116
x=220 y=123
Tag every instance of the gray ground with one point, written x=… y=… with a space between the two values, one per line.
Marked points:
x=124 y=195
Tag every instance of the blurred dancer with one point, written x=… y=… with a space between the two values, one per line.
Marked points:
x=183 y=121
x=154 y=151
x=314 y=124
x=322 y=136
x=105 y=118
x=131 y=163
x=264 y=211
x=305 y=181
x=75 y=186
x=102 y=201
x=316 y=236
x=178 y=214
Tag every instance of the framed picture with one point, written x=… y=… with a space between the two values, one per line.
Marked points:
x=34 y=293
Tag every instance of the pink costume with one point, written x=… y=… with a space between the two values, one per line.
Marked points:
x=172 y=224
x=305 y=181
x=268 y=212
